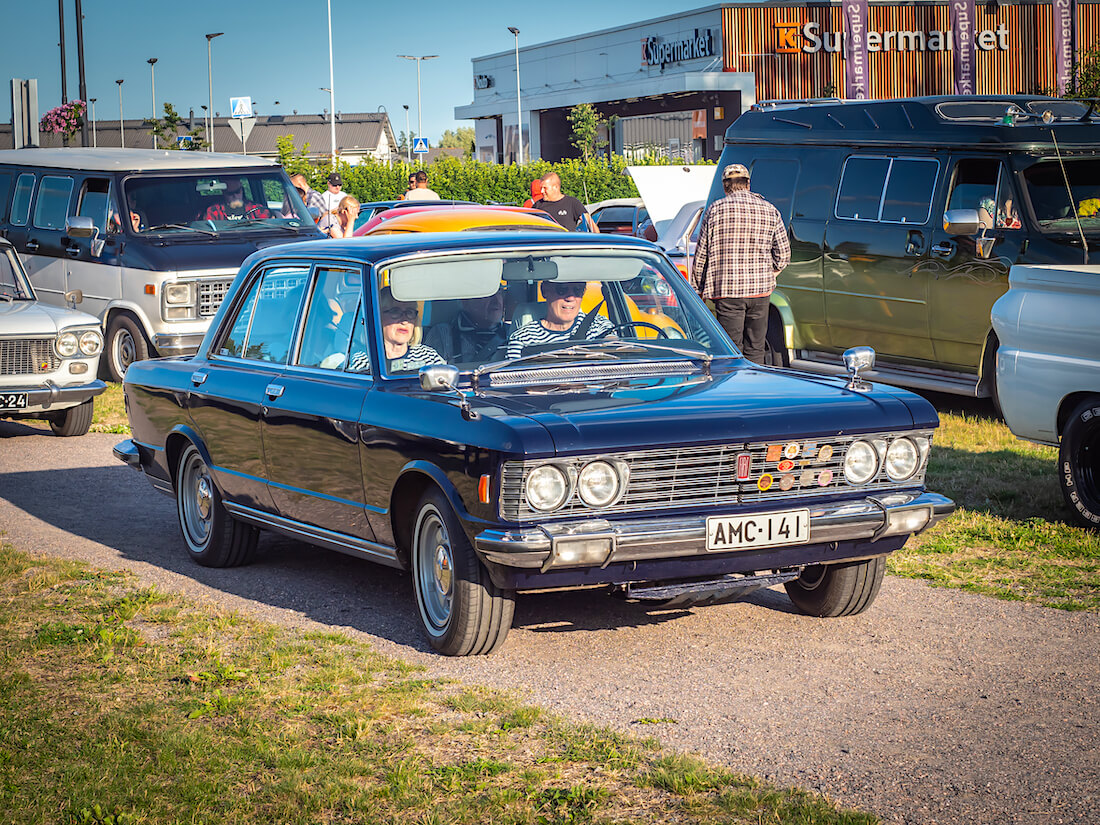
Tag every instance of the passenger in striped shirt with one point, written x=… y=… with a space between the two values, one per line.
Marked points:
x=562 y=321
x=399 y=338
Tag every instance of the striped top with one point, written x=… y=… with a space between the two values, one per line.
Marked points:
x=414 y=358
x=535 y=333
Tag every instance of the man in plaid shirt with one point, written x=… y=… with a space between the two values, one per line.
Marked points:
x=742 y=246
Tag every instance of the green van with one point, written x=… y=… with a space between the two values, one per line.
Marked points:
x=905 y=217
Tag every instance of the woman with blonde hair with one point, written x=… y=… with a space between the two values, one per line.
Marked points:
x=343 y=224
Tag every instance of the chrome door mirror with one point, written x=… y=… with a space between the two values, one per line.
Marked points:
x=80 y=226
x=439 y=378
x=960 y=221
x=74 y=297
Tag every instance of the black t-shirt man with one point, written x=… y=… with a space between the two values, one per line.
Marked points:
x=567 y=210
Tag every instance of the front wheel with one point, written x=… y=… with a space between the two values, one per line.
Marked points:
x=830 y=590
x=73 y=421
x=1079 y=463
x=213 y=537
x=126 y=343
x=462 y=612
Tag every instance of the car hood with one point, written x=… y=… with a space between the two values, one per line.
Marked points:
x=742 y=405
x=665 y=189
x=36 y=318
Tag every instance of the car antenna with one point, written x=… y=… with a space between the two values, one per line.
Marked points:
x=1069 y=191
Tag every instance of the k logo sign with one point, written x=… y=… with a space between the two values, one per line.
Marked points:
x=788 y=38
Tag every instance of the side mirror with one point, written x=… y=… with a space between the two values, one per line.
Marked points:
x=74 y=296
x=80 y=226
x=960 y=221
x=858 y=360
x=439 y=378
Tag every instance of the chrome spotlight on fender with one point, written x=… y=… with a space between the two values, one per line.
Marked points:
x=858 y=360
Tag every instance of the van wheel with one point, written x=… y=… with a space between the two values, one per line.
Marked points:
x=775 y=349
x=73 y=421
x=213 y=537
x=1079 y=463
x=830 y=590
x=126 y=343
x=462 y=612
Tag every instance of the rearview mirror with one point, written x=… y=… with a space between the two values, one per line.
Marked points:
x=960 y=221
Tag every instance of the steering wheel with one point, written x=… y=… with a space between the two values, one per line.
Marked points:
x=633 y=325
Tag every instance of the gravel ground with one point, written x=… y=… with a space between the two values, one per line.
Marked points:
x=935 y=706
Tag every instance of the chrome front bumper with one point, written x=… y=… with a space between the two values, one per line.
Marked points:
x=50 y=396
x=867 y=519
x=178 y=344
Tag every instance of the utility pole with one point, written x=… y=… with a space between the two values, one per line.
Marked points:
x=80 y=70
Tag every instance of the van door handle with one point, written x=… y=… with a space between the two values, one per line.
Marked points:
x=32 y=246
x=73 y=250
x=198 y=378
x=273 y=390
x=943 y=249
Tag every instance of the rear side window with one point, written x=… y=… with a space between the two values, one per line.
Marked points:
x=861 y=188
x=52 y=206
x=275 y=315
x=775 y=180
x=21 y=203
x=887 y=190
x=5 y=190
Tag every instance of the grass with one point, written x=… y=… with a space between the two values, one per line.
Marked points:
x=108 y=416
x=122 y=704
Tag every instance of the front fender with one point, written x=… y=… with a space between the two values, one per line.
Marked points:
x=782 y=305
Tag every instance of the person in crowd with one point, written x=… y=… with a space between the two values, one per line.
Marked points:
x=400 y=333
x=310 y=196
x=234 y=206
x=421 y=192
x=343 y=223
x=564 y=320
x=475 y=334
x=536 y=193
x=334 y=192
x=410 y=187
x=742 y=246
x=565 y=209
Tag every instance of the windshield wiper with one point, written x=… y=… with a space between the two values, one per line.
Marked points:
x=182 y=226
x=265 y=222
x=595 y=351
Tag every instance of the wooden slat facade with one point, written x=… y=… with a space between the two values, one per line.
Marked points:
x=750 y=36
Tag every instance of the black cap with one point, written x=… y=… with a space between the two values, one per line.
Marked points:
x=335 y=179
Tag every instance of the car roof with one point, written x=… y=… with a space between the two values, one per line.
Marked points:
x=380 y=247
x=129 y=160
x=465 y=219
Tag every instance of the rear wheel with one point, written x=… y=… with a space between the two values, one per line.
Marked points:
x=1079 y=463
x=830 y=590
x=126 y=343
x=213 y=537
x=462 y=612
x=73 y=421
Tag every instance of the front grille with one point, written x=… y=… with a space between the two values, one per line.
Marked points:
x=28 y=356
x=211 y=295
x=665 y=479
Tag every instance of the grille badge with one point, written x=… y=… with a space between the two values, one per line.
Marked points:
x=744 y=466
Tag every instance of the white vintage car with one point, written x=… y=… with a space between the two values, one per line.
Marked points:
x=1048 y=372
x=49 y=356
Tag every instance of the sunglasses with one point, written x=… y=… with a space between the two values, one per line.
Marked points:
x=398 y=314
x=567 y=290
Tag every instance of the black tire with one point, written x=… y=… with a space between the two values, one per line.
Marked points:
x=72 y=421
x=212 y=536
x=1079 y=463
x=125 y=344
x=775 y=348
x=461 y=611
x=830 y=590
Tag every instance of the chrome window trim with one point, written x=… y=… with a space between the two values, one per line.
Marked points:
x=885 y=186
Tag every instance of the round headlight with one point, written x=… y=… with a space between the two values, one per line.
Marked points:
x=91 y=342
x=67 y=344
x=547 y=488
x=860 y=462
x=902 y=459
x=598 y=484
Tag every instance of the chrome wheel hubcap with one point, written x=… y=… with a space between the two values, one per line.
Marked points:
x=434 y=572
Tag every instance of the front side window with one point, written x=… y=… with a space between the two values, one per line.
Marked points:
x=974 y=186
x=53 y=202
x=21 y=203
x=333 y=304
x=93 y=201
x=212 y=204
x=264 y=326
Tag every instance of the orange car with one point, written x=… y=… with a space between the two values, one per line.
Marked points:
x=464 y=218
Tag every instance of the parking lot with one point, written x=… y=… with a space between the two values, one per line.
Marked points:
x=934 y=706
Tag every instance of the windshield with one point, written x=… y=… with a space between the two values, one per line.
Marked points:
x=1059 y=209
x=13 y=281
x=472 y=310
x=213 y=203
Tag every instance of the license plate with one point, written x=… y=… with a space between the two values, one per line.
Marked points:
x=758 y=530
x=13 y=400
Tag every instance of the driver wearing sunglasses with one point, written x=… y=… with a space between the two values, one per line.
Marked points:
x=564 y=320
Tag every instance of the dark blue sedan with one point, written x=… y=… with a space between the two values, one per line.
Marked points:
x=502 y=412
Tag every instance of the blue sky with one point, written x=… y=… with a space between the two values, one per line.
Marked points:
x=278 y=50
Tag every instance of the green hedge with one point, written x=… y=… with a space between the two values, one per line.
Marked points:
x=472 y=180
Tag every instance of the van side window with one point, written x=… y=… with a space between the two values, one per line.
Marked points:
x=861 y=186
x=909 y=190
x=93 y=201
x=975 y=187
x=5 y=188
x=21 y=203
x=53 y=202
x=775 y=180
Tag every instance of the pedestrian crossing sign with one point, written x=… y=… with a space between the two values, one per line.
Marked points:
x=420 y=146
x=240 y=107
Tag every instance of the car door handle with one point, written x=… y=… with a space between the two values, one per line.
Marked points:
x=943 y=249
x=73 y=250
x=273 y=390
x=198 y=378
x=32 y=246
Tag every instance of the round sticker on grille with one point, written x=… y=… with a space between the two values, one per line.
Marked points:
x=764 y=483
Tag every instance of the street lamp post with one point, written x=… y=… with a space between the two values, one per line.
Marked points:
x=331 y=92
x=95 y=142
x=152 y=61
x=519 y=108
x=210 y=79
x=121 y=124
x=408 y=137
x=419 y=111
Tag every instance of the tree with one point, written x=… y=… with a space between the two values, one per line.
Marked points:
x=461 y=138
x=1086 y=82
x=587 y=123
x=167 y=130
